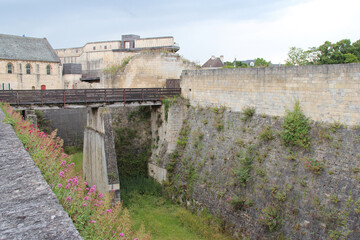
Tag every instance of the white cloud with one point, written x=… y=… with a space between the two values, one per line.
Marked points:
x=304 y=25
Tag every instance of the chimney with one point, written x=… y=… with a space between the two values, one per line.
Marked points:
x=222 y=58
x=212 y=57
x=235 y=63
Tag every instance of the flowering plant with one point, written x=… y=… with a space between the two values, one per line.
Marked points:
x=93 y=213
x=313 y=165
x=270 y=217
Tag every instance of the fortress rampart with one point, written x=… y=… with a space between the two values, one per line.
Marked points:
x=326 y=92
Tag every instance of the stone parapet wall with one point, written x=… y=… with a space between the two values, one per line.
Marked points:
x=28 y=207
x=326 y=92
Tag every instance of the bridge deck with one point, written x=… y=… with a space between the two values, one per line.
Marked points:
x=86 y=96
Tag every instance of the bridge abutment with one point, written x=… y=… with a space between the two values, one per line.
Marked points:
x=99 y=156
x=31 y=116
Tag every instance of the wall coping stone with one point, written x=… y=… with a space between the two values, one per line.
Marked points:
x=28 y=207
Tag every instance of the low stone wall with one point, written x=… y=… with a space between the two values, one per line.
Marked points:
x=28 y=207
x=326 y=92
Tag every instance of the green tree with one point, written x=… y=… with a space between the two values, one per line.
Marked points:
x=328 y=53
x=260 y=62
x=296 y=57
x=299 y=57
x=238 y=64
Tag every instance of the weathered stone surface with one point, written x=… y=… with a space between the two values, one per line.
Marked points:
x=99 y=158
x=326 y=92
x=207 y=172
x=70 y=124
x=28 y=207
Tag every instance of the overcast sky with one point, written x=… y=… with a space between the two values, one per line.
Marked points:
x=233 y=28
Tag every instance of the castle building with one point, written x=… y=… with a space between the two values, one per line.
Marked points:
x=84 y=66
x=28 y=63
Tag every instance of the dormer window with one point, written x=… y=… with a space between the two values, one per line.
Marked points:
x=28 y=68
x=10 y=68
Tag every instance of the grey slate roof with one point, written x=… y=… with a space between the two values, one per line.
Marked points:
x=26 y=48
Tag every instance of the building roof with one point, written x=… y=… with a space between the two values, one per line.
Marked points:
x=26 y=48
x=213 y=62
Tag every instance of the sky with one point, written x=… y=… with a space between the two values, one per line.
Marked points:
x=233 y=28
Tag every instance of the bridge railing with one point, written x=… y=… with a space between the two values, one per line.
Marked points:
x=86 y=96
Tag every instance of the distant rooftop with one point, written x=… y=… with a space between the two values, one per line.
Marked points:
x=214 y=62
x=26 y=48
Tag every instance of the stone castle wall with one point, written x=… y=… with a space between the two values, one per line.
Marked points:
x=326 y=92
x=202 y=160
x=149 y=70
x=19 y=80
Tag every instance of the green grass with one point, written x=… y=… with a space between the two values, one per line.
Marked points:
x=76 y=153
x=143 y=197
x=77 y=158
x=165 y=220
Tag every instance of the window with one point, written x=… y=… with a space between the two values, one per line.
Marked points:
x=94 y=48
x=37 y=68
x=48 y=69
x=28 y=68
x=105 y=47
x=10 y=68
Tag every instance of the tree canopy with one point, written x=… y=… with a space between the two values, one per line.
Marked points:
x=328 y=53
x=258 y=62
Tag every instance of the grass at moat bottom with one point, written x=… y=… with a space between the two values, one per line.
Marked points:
x=165 y=220
x=145 y=200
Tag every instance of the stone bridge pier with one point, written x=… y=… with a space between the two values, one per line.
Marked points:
x=99 y=156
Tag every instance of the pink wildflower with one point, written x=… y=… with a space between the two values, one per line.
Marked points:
x=59 y=185
x=68 y=199
x=109 y=210
x=84 y=205
x=93 y=221
x=86 y=198
x=121 y=234
x=62 y=174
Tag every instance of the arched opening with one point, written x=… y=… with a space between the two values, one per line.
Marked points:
x=28 y=68
x=10 y=68
x=48 y=70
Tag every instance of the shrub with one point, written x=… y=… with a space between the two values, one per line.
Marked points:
x=114 y=69
x=266 y=134
x=270 y=217
x=296 y=128
x=248 y=113
x=313 y=165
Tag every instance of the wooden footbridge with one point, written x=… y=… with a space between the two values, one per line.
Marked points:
x=104 y=96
